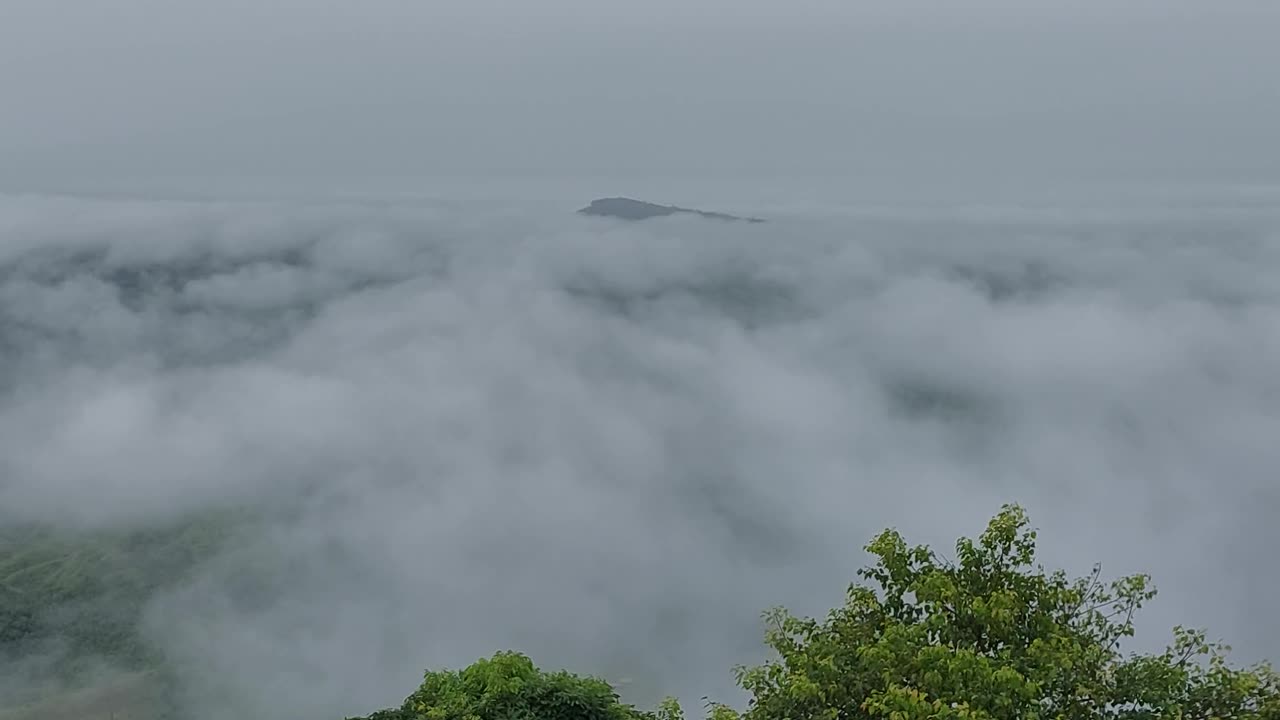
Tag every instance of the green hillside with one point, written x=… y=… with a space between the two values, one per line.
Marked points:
x=71 y=604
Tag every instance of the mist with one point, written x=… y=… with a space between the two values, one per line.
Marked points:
x=613 y=445
x=304 y=281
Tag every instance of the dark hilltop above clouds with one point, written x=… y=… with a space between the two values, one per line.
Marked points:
x=629 y=209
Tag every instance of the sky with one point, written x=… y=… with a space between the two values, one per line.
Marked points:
x=153 y=93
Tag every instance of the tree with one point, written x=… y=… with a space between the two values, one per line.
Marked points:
x=508 y=686
x=991 y=635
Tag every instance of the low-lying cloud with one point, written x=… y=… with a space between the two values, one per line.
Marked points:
x=612 y=445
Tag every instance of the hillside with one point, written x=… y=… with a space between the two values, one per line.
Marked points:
x=71 y=608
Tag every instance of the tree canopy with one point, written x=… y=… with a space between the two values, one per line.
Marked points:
x=509 y=686
x=988 y=635
x=991 y=634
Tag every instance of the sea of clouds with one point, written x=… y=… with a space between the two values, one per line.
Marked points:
x=613 y=445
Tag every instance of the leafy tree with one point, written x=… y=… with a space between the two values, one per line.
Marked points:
x=991 y=635
x=509 y=687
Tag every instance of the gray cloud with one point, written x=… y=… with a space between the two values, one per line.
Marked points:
x=612 y=446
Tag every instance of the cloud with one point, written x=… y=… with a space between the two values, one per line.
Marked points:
x=613 y=446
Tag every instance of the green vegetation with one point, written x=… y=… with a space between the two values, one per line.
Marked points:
x=71 y=605
x=89 y=588
x=989 y=635
x=509 y=686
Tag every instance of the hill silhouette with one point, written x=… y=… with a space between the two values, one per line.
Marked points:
x=630 y=209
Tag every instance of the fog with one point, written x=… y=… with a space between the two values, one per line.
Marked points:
x=613 y=445
x=315 y=265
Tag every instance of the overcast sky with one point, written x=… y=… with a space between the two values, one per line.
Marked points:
x=98 y=92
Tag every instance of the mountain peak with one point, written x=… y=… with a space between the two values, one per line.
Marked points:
x=630 y=209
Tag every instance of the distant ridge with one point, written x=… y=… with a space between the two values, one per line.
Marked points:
x=629 y=209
